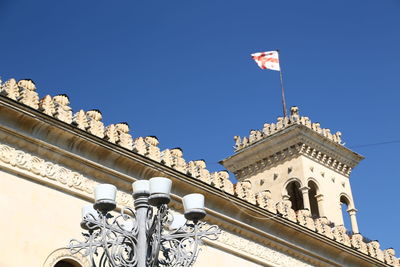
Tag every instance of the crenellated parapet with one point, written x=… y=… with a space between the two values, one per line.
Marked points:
x=282 y=123
x=58 y=107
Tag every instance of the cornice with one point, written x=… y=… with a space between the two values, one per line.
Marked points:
x=286 y=144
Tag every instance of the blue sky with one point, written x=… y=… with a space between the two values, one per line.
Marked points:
x=181 y=70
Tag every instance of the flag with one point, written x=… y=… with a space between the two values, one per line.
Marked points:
x=267 y=60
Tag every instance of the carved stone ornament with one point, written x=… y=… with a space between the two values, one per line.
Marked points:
x=62 y=110
x=27 y=94
x=124 y=138
x=53 y=173
x=46 y=105
x=178 y=162
x=152 y=149
x=10 y=89
x=111 y=134
x=95 y=126
x=79 y=120
x=66 y=255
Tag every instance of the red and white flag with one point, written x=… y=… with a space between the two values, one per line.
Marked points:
x=267 y=60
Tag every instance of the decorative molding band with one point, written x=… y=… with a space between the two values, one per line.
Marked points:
x=51 y=173
x=339 y=165
x=64 y=254
x=288 y=153
x=268 y=161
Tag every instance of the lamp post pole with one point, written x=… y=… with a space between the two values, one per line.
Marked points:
x=141 y=206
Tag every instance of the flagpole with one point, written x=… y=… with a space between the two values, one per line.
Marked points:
x=283 y=89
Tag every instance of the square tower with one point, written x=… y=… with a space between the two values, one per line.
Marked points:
x=297 y=161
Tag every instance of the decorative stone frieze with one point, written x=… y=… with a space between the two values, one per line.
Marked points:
x=45 y=169
x=51 y=172
x=294 y=150
x=325 y=159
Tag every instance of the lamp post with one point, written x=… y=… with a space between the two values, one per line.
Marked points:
x=142 y=237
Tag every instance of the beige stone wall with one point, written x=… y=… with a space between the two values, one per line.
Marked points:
x=331 y=184
x=41 y=220
x=210 y=257
x=38 y=220
x=275 y=178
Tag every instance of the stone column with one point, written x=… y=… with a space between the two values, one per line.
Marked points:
x=306 y=199
x=320 y=199
x=354 y=226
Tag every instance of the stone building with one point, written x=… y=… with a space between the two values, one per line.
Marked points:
x=285 y=209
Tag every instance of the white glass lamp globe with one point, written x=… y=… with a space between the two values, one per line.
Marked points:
x=141 y=187
x=193 y=205
x=88 y=213
x=160 y=188
x=104 y=195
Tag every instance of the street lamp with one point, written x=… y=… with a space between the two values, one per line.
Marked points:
x=142 y=237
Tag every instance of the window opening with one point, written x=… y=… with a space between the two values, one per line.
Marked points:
x=295 y=195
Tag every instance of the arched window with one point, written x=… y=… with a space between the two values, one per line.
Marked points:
x=312 y=192
x=295 y=195
x=67 y=263
x=345 y=203
x=62 y=257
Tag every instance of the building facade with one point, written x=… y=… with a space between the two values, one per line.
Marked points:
x=285 y=209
